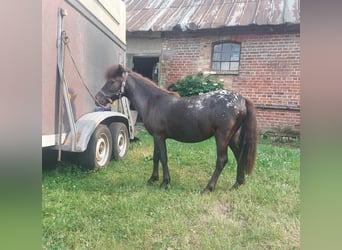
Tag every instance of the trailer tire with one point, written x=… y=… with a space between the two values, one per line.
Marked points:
x=120 y=140
x=99 y=150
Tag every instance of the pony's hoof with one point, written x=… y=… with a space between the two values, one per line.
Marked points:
x=164 y=185
x=151 y=181
x=206 y=191
x=235 y=186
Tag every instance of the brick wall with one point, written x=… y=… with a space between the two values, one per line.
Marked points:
x=179 y=58
x=269 y=72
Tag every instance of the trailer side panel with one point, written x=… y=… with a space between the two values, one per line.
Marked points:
x=96 y=38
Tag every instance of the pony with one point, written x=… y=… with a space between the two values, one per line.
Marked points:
x=224 y=114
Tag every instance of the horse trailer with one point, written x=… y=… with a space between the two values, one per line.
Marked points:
x=81 y=38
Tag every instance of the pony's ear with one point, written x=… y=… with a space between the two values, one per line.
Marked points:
x=115 y=71
x=121 y=68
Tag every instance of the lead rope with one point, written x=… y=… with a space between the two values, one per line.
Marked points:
x=65 y=40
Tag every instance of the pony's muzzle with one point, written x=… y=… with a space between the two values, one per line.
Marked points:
x=100 y=102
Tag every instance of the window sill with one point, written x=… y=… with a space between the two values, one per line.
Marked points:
x=223 y=72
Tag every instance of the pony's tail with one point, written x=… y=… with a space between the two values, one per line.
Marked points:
x=248 y=140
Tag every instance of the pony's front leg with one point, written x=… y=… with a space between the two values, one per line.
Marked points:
x=155 y=173
x=160 y=143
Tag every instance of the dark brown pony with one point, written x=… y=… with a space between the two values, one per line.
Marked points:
x=224 y=114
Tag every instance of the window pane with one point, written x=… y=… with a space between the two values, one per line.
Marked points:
x=226 y=47
x=215 y=66
x=225 y=66
x=218 y=48
x=216 y=57
x=234 y=66
x=235 y=57
x=225 y=57
x=236 y=47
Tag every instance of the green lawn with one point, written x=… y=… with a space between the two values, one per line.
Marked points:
x=115 y=209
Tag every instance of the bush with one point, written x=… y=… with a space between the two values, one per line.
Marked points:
x=197 y=84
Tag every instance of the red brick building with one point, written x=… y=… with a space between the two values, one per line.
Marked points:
x=253 y=45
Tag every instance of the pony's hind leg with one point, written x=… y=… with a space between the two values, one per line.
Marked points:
x=221 y=161
x=240 y=174
x=245 y=144
x=224 y=137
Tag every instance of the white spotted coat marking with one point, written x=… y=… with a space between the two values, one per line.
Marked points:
x=230 y=97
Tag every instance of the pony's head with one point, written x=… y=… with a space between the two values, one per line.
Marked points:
x=115 y=80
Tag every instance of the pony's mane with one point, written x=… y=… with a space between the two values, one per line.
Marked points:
x=152 y=84
x=117 y=70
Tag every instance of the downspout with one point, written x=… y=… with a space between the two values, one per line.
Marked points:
x=63 y=83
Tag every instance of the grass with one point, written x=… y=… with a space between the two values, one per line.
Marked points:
x=115 y=209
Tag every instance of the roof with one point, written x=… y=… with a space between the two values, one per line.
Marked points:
x=168 y=15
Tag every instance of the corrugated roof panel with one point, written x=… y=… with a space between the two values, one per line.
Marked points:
x=248 y=14
x=173 y=20
x=291 y=11
x=179 y=3
x=198 y=15
x=211 y=14
x=276 y=13
x=168 y=21
x=263 y=12
x=149 y=20
x=167 y=15
x=155 y=4
x=138 y=21
x=235 y=15
x=159 y=14
x=187 y=21
x=222 y=15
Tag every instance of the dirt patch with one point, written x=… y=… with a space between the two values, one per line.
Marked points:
x=220 y=212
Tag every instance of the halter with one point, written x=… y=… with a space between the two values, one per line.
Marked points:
x=121 y=91
x=123 y=84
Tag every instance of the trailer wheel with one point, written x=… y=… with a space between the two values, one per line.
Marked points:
x=99 y=150
x=120 y=140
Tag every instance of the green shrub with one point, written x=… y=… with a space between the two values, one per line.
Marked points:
x=197 y=84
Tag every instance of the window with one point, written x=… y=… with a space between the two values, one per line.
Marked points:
x=225 y=57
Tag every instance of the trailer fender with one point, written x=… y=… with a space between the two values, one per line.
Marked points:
x=86 y=125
